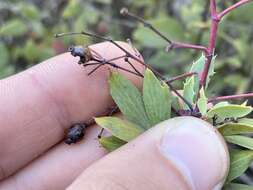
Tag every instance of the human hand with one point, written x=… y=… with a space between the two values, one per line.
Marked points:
x=38 y=105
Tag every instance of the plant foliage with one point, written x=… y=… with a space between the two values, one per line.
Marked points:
x=144 y=110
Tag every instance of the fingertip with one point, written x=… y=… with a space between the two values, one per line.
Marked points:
x=197 y=149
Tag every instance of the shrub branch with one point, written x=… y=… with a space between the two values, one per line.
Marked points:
x=215 y=20
x=230 y=97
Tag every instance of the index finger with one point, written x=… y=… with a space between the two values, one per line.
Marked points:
x=37 y=105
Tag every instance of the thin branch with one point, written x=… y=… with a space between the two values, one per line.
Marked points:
x=179 y=45
x=212 y=41
x=127 y=60
x=113 y=65
x=213 y=8
x=125 y=12
x=231 y=97
x=216 y=18
x=180 y=77
x=128 y=54
x=229 y=9
x=172 y=45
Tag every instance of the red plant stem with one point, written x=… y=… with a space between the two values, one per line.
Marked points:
x=239 y=96
x=216 y=18
x=177 y=45
x=212 y=40
x=238 y=4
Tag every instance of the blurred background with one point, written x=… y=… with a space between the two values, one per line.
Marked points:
x=27 y=31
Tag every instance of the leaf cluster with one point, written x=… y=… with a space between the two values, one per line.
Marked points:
x=144 y=110
x=141 y=110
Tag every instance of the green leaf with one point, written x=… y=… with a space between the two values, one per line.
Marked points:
x=197 y=67
x=176 y=102
x=104 y=1
x=210 y=71
x=229 y=111
x=237 y=186
x=188 y=91
x=4 y=55
x=245 y=103
x=31 y=51
x=202 y=102
x=157 y=98
x=111 y=143
x=129 y=100
x=247 y=121
x=239 y=162
x=220 y=104
x=243 y=141
x=191 y=85
x=29 y=11
x=7 y=71
x=235 y=128
x=119 y=128
x=13 y=28
x=72 y=9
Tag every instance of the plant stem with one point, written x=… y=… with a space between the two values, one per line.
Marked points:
x=212 y=40
x=177 y=45
x=180 y=77
x=238 y=4
x=231 y=97
x=124 y=11
x=215 y=20
x=172 y=44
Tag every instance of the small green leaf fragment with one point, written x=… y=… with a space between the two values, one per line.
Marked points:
x=243 y=141
x=175 y=102
x=239 y=163
x=202 y=102
x=210 y=71
x=247 y=121
x=245 y=103
x=229 y=111
x=111 y=143
x=191 y=85
x=188 y=91
x=235 y=129
x=72 y=9
x=157 y=98
x=4 y=54
x=220 y=104
x=129 y=100
x=198 y=67
x=119 y=128
x=237 y=186
x=13 y=28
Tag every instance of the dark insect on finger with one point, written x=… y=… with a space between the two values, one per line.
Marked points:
x=75 y=133
x=83 y=53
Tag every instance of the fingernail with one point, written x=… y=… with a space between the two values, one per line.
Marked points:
x=197 y=151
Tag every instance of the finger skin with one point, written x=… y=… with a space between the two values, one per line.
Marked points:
x=182 y=153
x=38 y=105
x=59 y=167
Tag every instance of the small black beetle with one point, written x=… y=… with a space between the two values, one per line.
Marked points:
x=75 y=133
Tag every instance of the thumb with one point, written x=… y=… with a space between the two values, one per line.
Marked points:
x=178 y=154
